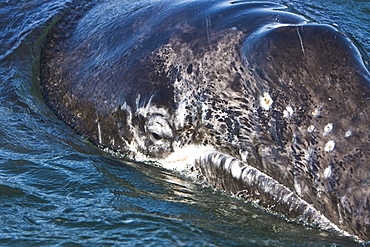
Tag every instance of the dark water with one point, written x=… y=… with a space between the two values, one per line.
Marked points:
x=57 y=189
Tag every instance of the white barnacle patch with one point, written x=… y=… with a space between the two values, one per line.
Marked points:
x=288 y=112
x=316 y=112
x=329 y=146
x=311 y=128
x=328 y=128
x=348 y=133
x=266 y=101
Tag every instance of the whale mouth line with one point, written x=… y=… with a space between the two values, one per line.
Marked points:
x=241 y=180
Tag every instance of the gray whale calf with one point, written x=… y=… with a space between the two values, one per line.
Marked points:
x=273 y=108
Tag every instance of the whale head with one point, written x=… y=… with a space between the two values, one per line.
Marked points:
x=264 y=104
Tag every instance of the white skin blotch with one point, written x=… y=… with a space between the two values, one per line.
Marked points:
x=310 y=128
x=266 y=101
x=348 y=133
x=329 y=146
x=328 y=128
x=327 y=172
x=288 y=112
x=315 y=112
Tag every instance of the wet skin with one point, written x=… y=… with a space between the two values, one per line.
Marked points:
x=281 y=103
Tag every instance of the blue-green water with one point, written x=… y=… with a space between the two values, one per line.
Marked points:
x=58 y=189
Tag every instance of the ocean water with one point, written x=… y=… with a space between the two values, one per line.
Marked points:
x=57 y=189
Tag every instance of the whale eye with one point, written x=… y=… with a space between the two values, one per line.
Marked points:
x=156 y=136
x=158 y=127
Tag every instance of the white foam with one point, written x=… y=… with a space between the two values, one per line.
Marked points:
x=300 y=40
x=184 y=157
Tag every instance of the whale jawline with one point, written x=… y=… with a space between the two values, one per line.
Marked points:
x=241 y=180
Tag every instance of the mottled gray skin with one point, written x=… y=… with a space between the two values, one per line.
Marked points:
x=264 y=87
